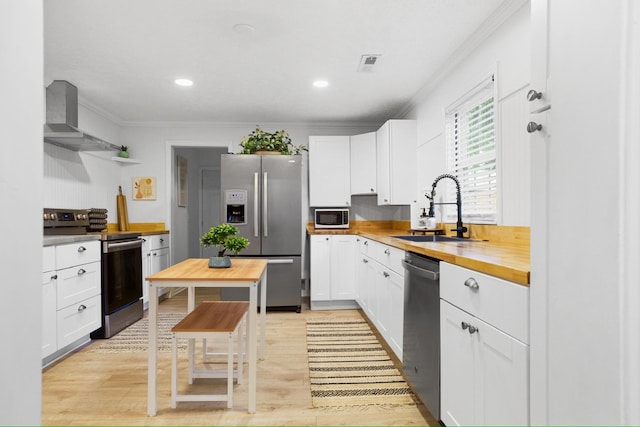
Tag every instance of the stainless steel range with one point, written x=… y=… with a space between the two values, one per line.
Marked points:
x=121 y=266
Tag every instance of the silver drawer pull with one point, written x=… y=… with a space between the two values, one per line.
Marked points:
x=82 y=249
x=387 y=251
x=54 y=277
x=471 y=283
x=365 y=260
x=464 y=325
x=81 y=271
x=385 y=274
x=82 y=308
x=473 y=329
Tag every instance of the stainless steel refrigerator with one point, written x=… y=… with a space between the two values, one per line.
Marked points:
x=262 y=196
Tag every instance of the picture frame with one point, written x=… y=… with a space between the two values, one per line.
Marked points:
x=182 y=167
x=144 y=188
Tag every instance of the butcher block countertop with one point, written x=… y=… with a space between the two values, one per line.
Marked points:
x=144 y=228
x=499 y=251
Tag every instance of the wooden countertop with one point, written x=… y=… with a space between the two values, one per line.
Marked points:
x=509 y=260
x=197 y=270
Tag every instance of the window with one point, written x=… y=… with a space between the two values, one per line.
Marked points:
x=470 y=134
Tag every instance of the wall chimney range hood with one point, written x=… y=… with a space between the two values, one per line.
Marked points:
x=61 y=128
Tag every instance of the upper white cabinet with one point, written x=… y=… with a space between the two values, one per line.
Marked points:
x=363 y=163
x=329 y=171
x=396 y=143
x=538 y=95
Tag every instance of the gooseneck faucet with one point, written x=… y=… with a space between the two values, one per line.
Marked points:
x=460 y=229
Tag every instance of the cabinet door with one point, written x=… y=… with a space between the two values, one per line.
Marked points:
x=159 y=261
x=396 y=323
x=49 y=331
x=363 y=163
x=146 y=271
x=503 y=378
x=320 y=267
x=540 y=56
x=343 y=268
x=396 y=143
x=78 y=283
x=457 y=367
x=329 y=171
x=383 y=166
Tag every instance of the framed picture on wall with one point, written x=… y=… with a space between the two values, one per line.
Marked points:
x=182 y=181
x=144 y=188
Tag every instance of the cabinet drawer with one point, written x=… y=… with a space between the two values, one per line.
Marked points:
x=388 y=256
x=158 y=241
x=78 y=283
x=78 y=320
x=77 y=253
x=48 y=258
x=500 y=303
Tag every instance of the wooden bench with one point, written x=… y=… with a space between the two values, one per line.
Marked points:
x=208 y=320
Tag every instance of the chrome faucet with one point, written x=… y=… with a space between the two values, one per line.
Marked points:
x=460 y=229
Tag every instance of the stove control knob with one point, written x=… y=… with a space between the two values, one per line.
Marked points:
x=46 y=216
x=54 y=217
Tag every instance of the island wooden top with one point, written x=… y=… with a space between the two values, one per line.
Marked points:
x=197 y=270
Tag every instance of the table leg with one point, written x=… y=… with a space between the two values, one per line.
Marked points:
x=152 y=390
x=263 y=312
x=191 y=305
x=252 y=351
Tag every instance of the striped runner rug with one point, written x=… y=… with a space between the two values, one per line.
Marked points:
x=135 y=338
x=348 y=366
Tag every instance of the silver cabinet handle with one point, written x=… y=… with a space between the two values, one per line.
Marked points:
x=255 y=204
x=472 y=329
x=533 y=127
x=161 y=240
x=471 y=283
x=82 y=249
x=366 y=243
x=464 y=325
x=533 y=94
x=365 y=260
x=385 y=274
x=54 y=277
x=387 y=251
x=265 y=208
x=81 y=271
x=82 y=307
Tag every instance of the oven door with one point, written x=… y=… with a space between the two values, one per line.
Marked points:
x=121 y=273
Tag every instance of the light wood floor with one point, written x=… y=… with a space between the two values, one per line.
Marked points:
x=89 y=388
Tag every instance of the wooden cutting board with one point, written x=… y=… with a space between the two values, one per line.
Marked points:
x=123 y=215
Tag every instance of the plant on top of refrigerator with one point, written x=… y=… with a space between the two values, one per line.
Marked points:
x=223 y=236
x=279 y=141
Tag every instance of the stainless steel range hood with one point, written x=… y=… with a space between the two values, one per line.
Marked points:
x=61 y=127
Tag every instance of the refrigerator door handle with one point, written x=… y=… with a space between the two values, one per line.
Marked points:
x=265 y=210
x=255 y=205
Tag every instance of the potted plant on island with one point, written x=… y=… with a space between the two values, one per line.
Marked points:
x=261 y=142
x=223 y=236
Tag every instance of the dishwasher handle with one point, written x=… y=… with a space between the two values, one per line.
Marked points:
x=427 y=274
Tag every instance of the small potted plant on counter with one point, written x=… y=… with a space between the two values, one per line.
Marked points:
x=261 y=142
x=223 y=237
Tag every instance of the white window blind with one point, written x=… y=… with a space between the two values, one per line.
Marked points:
x=471 y=154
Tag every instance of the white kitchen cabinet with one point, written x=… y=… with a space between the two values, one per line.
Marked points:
x=49 y=337
x=155 y=257
x=539 y=96
x=333 y=271
x=380 y=290
x=78 y=291
x=396 y=149
x=363 y=163
x=329 y=171
x=484 y=369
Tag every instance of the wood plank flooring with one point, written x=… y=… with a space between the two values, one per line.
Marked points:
x=89 y=388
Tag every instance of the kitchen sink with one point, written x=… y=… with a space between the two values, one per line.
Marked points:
x=433 y=238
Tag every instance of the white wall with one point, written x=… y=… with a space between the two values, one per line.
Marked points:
x=21 y=107
x=506 y=52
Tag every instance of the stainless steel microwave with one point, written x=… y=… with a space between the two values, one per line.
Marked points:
x=332 y=218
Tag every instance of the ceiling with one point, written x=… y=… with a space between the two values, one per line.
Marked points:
x=124 y=55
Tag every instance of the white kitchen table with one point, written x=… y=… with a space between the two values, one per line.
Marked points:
x=195 y=273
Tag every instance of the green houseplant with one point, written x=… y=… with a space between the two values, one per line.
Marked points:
x=124 y=153
x=278 y=142
x=223 y=237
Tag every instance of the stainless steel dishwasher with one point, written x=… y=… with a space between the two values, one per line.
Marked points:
x=421 y=340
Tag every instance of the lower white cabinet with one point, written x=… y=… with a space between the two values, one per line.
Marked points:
x=333 y=271
x=155 y=257
x=484 y=370
x=380 y=289
x=71 y=294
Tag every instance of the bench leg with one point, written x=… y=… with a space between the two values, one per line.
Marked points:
x=174 y=369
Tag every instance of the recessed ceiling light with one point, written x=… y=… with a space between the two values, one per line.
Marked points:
x=183 y=82
x=243 y=28
x=321 y=83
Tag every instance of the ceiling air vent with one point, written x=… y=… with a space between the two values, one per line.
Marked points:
x=367 y=63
